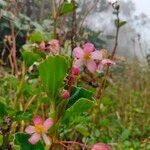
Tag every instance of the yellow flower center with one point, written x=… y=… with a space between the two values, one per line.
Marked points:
x=39 y=129
x=87 y=56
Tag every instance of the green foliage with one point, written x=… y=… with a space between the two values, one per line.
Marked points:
x=78 y=93
x=19 y=116
x=120 y=23
x=36 y=37
x=3 y=109
x=31 y=54
x=22 y=22
x=30 y=57
x=1 y=140
x=121 y=118
x=82 y=129
x=125 y=135
x=52 y=72
x=66 y=8
x=22 y=140
x=78 y=108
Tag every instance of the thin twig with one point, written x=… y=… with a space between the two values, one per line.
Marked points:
x=29 y=102
x=101 y=89
x=74 y=30
x=87 y=13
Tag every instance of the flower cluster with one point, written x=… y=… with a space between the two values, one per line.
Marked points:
x=39 y=130
x=51 y=47
x=87 y=56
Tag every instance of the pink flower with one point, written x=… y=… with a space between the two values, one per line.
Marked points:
x=107 y=62
x=100 y=146
x=103 y=63
x=65 y=94
x=86 y=57
x=54 y=46
x=39 y=130
x=41 y=46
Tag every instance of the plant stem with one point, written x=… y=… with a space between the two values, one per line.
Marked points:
x=29 y=102
x=54 y=19
x=20 y=85
x=74 y=30
x=42 y=10
x=101 y=89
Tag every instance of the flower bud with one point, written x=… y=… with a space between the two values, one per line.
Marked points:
x=75 y=71
x=65 y=94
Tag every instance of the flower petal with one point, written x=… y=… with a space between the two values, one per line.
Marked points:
x=48 y=123
x=78 y=52
x=37 y=120
x=107 y=62
x=34 y=138
x=30 y=129
x=91 y=66
x=46 y=139
x=88 y=47
x=97 y=55
x=78 y=63
x=100 y=67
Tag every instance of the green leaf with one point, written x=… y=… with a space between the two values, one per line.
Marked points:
x=22 y=140
x=125 y=134
x=1 y=140
x=30 y=57
x=3 y=109
x=37 y=27
x=82 y=129
x=67 y=7
x=36 y=37
x=120 y=23
x=78 y=93
x=20 y=115
x=105 y=122
x=78 y=108
x=16 y=147
x=44 y=99
x=106 y=101
x=52 y=73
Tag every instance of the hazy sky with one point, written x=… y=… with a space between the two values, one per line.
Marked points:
x=142 y=6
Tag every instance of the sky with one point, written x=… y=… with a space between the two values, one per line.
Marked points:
x=142 y=6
